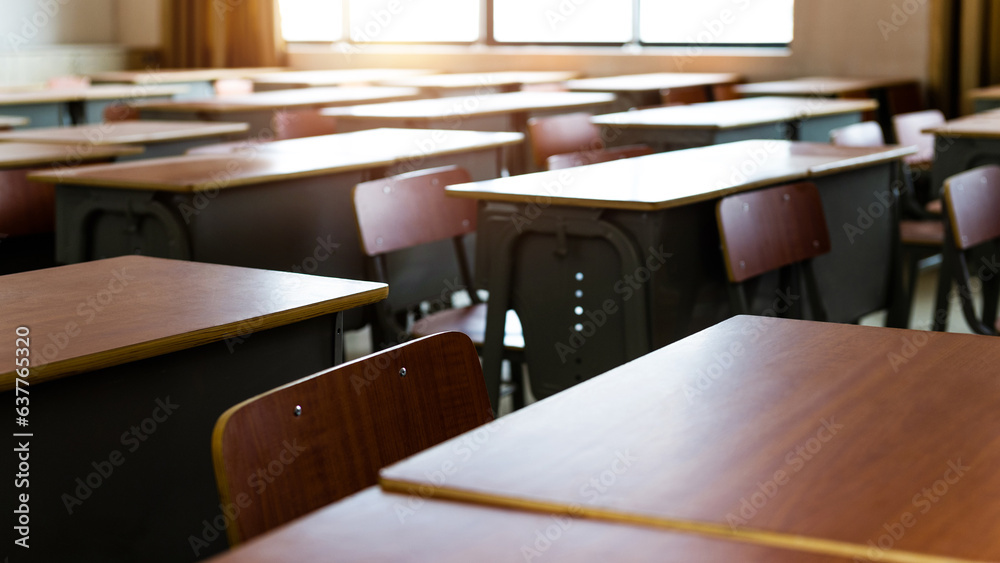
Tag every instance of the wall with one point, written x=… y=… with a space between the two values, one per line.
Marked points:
x=35 y=23
x=835 y=37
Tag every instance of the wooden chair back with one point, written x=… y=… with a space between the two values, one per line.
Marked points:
x=560 y=161
x=294 y=124
x=721 y=92
x=909 y=127
x=121 y=112
x=683 y=96
x=973 y=202
x=562 y=134
x=764 y=230
x=233 y=87
x=864 y=134
x=411 y=209
x=314 y=441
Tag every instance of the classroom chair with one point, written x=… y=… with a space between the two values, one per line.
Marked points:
x=120 y=112
x=909 y=131
x=773 y=229
x=684 y=96
x=972 y=205
x=722 y=92
x=409 y=211
x=324 y=437
x=562 y=134
x=921 y=237
x=569 y=160
x=294 y=124
x=68 y=82
x=233 y=87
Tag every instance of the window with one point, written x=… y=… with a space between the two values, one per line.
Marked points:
x=566 y=22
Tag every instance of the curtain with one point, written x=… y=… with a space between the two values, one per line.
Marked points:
x=222 y=33
x=965 y=51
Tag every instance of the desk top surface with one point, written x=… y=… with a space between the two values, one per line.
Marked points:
x=359 y=527
x=484 y=79
x=13 y=121
x=732 y=114
x=465 y=106
x=983 y=125
x=177 y=75
x=652 y=81
x=818 y=85
x=134 y=307
x=312 y=78
x=27 y=155
x=125 y=132
x=96 y=92
x=811 y=432
x=676 y=178
x=250 y=163
x=277 y=99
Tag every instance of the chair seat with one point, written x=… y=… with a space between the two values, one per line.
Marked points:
x=921 y=233
x=934 y=206
x=472 y=322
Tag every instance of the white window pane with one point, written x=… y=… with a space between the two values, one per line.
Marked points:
x=414 y=20
x=562 y=21
x=716 y=21
x=312 y=20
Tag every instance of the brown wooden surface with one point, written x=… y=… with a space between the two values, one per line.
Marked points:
x=651 y=82
x=483 y=79
x=167 y=305
x=354 y=420
x=764 y=230
x=170 y=75
x=299 y=97
x=411 y=209
x=8 y=121
x=973 y=199
x=249 y=163
x=862 y=421
x=319 y=78
x=560 y=161
x=26 y=155
x=733 y=113
x=684 y=96
x=985 y=125
x=99 y=92
x=676 y=178
x=864 y=134
x=378 y=526
x=819 y=86
x=467 y=106
x=26 y=208
x=125 y=132
x=923 y=233
x=562 y=134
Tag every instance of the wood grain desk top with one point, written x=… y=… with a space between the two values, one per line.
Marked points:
x=676 y=178
x=13 y=121
x=377 y=526
x=135 y=307
x=818 y=85
x=314 y=78
x=26 y=155
x=486 y=104
x=178 y=75
x=483 y=79
x=732 y=114
x=652 y=81
x=98 y=92
x=125 y=132
x=249 y=164
x=293 y=98
x=826 y=435
x=984 y=125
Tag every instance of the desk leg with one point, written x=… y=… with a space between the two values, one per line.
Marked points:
x=77 y=112
x=338 y=339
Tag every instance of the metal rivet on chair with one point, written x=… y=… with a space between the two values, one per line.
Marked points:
x=746 y=207
x=386 y=190
x=435 y=181
x=378 y=241
x=298 y=410
x=402 y=372
x=743 y=264
x=787 y=197
x=816 y=243
x=965 y=239
x=465 y=222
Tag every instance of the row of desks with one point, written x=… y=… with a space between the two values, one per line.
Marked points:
x=757 y=439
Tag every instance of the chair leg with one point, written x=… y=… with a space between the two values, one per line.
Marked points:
x=940 y=320
x=517 y=378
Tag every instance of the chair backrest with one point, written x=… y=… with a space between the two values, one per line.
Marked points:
x=865 y=134
x=973 y=202
x=316 y=440
x=909 y=127
x=721 y=92
x=68 y=82
x=682 y=96
x=121 y=112
x=411 y=209
x=294 y=124
x=561 y=134
x=763 y=230
x=233 y=87
x=560 y=161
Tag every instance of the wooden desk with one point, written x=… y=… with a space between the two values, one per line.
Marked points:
x=984 y=99
x=199 y=81
x=258 y=109
x=262 y=206
x=964 y=143
x=133 y=360
x=486 y=112
x=65 y=106
x=9 y=122
x=874 y=432
x=158 y=138
x=696 y=125
x=894 y=95
x=479 y=83
x=339 y=77
x=596 y=228
x=357 y=528
x=637 y=90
